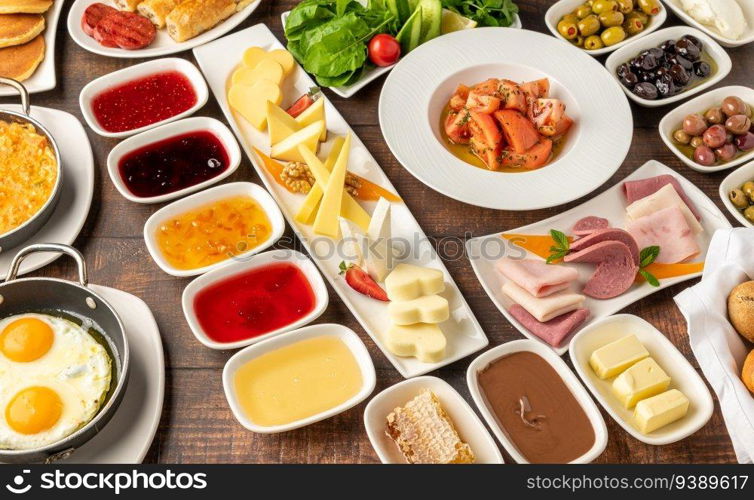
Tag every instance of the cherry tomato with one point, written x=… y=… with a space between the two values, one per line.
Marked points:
x=384 y=50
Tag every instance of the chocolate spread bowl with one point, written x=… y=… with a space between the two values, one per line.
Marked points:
x=23 y=232
x=535 y=405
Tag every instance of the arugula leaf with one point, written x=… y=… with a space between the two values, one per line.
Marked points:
x=560 y=248
x=485 y=12
x=646 y=257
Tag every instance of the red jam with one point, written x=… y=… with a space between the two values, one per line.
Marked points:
x=173 y=164
x=254 y=303
x=144 y=101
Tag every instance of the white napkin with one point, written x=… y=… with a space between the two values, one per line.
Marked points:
x=719 y=350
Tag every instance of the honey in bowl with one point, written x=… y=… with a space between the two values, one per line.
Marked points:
x=213 y=233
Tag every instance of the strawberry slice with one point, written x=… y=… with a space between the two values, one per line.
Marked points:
x=359 y=280
x=301 y=104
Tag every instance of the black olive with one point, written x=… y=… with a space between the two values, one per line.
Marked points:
x=662 y=70
x=702 y=69
x=635 y=63
x=694 y=40
x=629 y=80
x=646 y=90
x=668 y=46
x=678 y=59
x=687 y=49
x=622 y=70
x=680 y=75
x=648 y=62
x=665 y=86
x=657 y=53
x=648 y=76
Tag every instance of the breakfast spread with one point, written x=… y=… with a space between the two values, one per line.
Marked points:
x=424 y=432
x=536 y=409
x=22 y=43
x=718 y=135
x=505 y=126
x=724 y=16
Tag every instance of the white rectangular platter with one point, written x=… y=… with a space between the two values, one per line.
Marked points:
x=484 y=251
x=217 y=61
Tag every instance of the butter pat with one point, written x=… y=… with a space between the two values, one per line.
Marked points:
x=423 y=341
x=611 y=359
x=427 y=309
x=658 y=411
x=643 y=380
x=408 y=282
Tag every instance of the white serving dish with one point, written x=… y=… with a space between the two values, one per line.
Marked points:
x=125 y=75
x=465 y=336
x=611 y=205
x=569 y=379
x=633 y=48
x=470 y=428
x=682 y=374
x=348 y=336
x=422 y=83
x=44 y=77
x=746 y=6
x=735 y=180
x=239 y=267
x=206 y=197
x=374 y=72
x=563 y=7
x=162 y=45
x=180 y=127
x=674 y=120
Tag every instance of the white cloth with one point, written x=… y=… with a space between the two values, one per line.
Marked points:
x=719 y=350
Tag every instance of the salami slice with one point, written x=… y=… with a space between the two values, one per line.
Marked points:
x=127 y=30
x=93 y=15
x=616 y=269
x=588 y=225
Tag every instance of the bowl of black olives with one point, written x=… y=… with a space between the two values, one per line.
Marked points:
x=668 y=65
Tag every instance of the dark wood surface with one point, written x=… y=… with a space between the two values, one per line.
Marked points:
x=197 y=425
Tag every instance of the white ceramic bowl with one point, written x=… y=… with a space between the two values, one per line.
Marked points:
x=673 y=121
x=106 y=82
x=206 y=197
x=470 y=428
x=735 y=180
x=555 y=13
x=348 y=336
x=682 y=374
x=747 y=6
x=293 y=257
x=634 y=47
x=569 y=379
x=180 y=127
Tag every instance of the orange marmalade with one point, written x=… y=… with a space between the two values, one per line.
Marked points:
x=213 y=232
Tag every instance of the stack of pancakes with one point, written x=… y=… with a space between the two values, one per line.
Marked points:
x=22 y=44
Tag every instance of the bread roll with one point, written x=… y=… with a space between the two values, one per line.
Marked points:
x=747 y=374
x=741 y=309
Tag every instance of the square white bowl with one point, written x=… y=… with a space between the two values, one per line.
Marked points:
x=734 y=180
x=348 y=336
x=125 y=75
x=563 y=7
x=206 y=197
x=470 y=428
x=293 y=257
x=682 y=374
x=746 y=6
x=673 y=121
x=634 y=47
x=180 y=127
x=569 y=379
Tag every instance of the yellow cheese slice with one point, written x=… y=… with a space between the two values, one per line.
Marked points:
x=252 y=56
x=251 y=101
x=308 y=209
x=326 y=222
x=280 y=124
x=314 y=113
x=288 y=149
x=266 y=69
x=284 y=58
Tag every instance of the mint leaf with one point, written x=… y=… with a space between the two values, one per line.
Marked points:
x=649 y=277
x=648 y=255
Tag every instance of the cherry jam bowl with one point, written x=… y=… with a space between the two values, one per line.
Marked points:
x=134 y=92
x=145 y=152
x=230 y=275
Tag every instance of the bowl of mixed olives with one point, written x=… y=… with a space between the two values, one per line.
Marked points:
x=601 y=26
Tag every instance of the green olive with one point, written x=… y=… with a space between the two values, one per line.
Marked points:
x=600 y=6
x=625 y=6
x=739 y=199
x=593 y=42
x=568 y=30
x=582 y=11
x=633 y=26
x=578 y=41
x=748 y=188
x=611 y=18
x=573 y=18
x=613 y=35
x=749 y=213
x=589 y=25
x=650 y=7
x=637 y=14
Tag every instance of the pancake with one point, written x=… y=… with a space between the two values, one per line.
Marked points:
x=25 y=6
x=17 y=29
x=20 y=61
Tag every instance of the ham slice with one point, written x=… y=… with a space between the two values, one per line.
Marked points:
x=636 y=190
x=665 y=197
x=616 y=268
x=537 y=277
x=554 y=331
x=544 y=308
x=588 y=225
x=599 y=236
x=668 y=230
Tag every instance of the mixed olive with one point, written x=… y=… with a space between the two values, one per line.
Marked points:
x=743 y=199
x=601 y=23
x=667 y=70
x=718 y=135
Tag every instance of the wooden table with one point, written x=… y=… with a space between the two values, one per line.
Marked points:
x=197 y=425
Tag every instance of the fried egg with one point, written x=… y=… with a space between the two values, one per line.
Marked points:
x=54 y=378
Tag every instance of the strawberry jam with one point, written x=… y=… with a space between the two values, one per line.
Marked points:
x=255 y=302
x=144 y=101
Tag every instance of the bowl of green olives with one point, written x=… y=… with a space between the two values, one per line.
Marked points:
x=602 y=26
x=737 y=193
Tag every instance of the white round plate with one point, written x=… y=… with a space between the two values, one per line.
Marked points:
x=420 y=85
x=162 y=44
x=72 y=209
